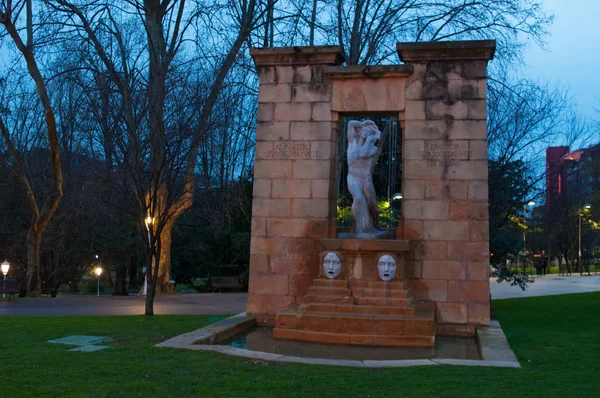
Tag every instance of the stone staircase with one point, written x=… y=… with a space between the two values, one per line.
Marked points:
x=358 y=312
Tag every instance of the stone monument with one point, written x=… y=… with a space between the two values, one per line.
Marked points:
x=440 y=249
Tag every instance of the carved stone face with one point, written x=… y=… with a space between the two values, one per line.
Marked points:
x=386 y=267
x=332 y=265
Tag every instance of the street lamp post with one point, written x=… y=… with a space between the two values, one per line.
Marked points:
x=149 y=221
x=98 y=271
x=5 y=267
x=579 y=233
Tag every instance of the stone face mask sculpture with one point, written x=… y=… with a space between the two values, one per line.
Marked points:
x=363 y=153
x=386 y=267
x=332 y=265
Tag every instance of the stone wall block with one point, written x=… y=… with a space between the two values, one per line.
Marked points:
x=442 y=110
x=269 y=284
x=259 y=263
x=299 y=284
x=478 y=149
x=478 y=190
x=413 y=189
x=479 y=313
x=431 y=250
x=451 y=313
x=317 y=208
x=318 y=228
x=446 y=230
x=266 y=75
x=320 y=188
x=273 y=131
x=287 y=111
x=311 y=169
x=421 y=170
x=310 y=93
x=473 y=251
x=412 y=229
x=477 y=109
x=258 y=226
x=275 y=93
x=257 y=303
x=267 y=245
x=448 y=270
x=479 y=230
x=430 y=290
x=469 y=170
x=290 y=188
x=478 y=271
x=261 y=188
x=322 y=149
x=468 y=130
x=414 y=90
x=321 y=112
x=415 y=110
x=265 y=111
x=465 y=291
x=445 y=190
x=292 y=227
x=311 y=131
x=289 y=264
x=262 y=207
x=443 y=71
x=273 y=169
x=468 y=211
x=284 y=74
x=263 y=149
x=474 y=70
x=278 y=303
x=413 y=149
x=426 y=129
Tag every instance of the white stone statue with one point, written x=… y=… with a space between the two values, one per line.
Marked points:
x=363 y=152
x=332 y=265
x=386 y=267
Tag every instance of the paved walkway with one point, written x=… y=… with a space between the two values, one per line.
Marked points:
x=207 y=303
x=546 y=286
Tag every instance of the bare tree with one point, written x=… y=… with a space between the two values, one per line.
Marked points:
x=11 y=18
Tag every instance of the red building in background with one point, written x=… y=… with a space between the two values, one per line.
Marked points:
x=574 y=173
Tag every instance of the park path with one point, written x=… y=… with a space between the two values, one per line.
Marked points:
x=547 y=285
x=206 y=303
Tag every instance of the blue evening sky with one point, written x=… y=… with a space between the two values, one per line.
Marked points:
x=572 y=52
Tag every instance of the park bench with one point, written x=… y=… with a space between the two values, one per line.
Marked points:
x=10 y=287
x=225 y=282
x=563 y=268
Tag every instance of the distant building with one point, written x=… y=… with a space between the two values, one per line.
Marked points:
x=576 y=174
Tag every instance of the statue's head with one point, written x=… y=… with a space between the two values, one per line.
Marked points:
x=332 y=265
x=369 y=128
x=386 y=267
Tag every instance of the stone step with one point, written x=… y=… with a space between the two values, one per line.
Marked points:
x=385 y=301
x=337 y=283
x=356 y=323
x=373 y=292
x=325 y=291
x=358 y=339
x=326 y=299
x=356 y=309
x=397 y=285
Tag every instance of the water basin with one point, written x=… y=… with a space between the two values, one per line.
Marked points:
x=261 y=339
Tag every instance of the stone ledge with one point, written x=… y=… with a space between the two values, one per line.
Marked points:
x=295 y=56
x=470 y=50
x=372 y=72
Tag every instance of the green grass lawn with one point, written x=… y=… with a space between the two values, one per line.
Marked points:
x=556 y=338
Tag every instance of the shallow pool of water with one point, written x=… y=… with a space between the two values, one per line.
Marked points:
x=261 y=339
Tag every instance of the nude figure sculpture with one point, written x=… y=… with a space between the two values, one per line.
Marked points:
x=363 y=152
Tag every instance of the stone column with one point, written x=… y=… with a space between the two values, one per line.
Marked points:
x=292 y=181
x=445 y=179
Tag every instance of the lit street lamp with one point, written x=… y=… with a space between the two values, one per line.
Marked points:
x=149 y=220
x=98 y=271
x=587 y=207
x=5 y=267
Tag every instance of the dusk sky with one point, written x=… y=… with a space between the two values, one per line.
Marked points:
x=572 y=54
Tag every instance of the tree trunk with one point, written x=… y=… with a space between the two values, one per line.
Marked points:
x=164 y=271
x=34 y=282
x=120 y=280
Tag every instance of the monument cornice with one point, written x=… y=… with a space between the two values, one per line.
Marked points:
x=471 y=50
x=296 y=56
x=373 y=72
